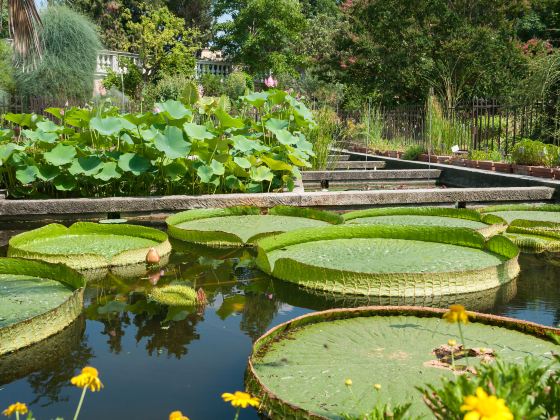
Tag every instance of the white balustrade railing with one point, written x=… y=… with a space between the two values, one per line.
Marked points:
x=109 y=60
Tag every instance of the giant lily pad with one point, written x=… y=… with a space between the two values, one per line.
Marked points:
x=89 y=245
x=390 y=260
x=237 y=226
x=540 y=213
x=487 y=224
x=37 y=300
x=532 y=228
x=299 y=368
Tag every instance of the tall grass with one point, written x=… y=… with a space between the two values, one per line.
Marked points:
x=327 y=134
x=442 y=133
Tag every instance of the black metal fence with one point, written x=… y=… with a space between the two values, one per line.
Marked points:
x=478 y=125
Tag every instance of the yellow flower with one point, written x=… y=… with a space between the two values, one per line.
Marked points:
x=89 y=378
x=240 y=399
x=377 y=387
x=456 y=313
x=19 y=408
x=177 y=415
x=485 y=407
x=348 y=382
x=452 y=343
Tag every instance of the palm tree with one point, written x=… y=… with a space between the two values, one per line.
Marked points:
x=23 y=22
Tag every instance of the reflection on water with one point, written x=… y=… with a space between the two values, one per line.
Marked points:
x=154 y=359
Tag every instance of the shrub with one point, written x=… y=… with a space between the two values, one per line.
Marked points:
x=238 y=83
x=212 y=84
x=169 y=87
x=493 y=155
x=535 y=153
x=131 y=79
x=70 y=46
x=413 y=152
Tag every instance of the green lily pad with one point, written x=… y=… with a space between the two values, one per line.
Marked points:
x=541 y=213
x=242 y=225
x=37 y=300
x=389 y=260
x=299 y=368
x=89 y=245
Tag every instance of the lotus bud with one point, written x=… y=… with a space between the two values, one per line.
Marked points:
x=201 y=297
x=153 y=278
x=270 y=82
x=152 y=257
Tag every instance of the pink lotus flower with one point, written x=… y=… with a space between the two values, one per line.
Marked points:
x=156 y=110
x=270 y=82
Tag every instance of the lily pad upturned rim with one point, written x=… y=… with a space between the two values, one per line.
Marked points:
x=415 y=284
x=222 y=238
x=520 y=207
x=88 y=261
x=32 y=330
x=271 y=403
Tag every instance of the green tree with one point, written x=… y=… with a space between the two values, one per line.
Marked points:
x=196 y=13
x=262 y=35
x=70 y=45
x=165 y=45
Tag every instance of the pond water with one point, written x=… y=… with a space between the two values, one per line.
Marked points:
x=153 y=361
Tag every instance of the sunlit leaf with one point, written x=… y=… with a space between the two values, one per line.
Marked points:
x=89 y=165
x=108 y=172
x=60 y=155
x=260 y=174
x=171 y=143
x=108 y=126
x=197 y=132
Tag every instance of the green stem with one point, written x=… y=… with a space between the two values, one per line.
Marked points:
x=464 y=345
x=80 y=403
x=236 y=414
x=17 y=415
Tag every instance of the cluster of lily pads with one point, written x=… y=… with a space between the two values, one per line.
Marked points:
x=203 y=147
x=390 y=252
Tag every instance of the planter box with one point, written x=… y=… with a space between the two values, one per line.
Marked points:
x=542 y=172
x=471 y=163
x=487 y=165
x=521 y=169
x=556 y=173
x=394 y=154
x=502 y=167
x=457 y=162
x=443 y=159
x=424 y=157
x=359 y=149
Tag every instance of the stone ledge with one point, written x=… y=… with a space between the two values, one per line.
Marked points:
x=356 y=164
x=84 y=206
x=353 y=175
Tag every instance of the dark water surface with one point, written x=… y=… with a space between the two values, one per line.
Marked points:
x=153 y=360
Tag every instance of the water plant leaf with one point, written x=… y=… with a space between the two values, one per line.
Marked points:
x=7 y=149
x=108 y=126
x=274 y=124
x=260 y=174
x=305 y=362
x=171 y=143
x=197 y=132
x=242 y=162
x=205 y=173
x=173 y=295
x=217 y=167
x=257 y=99
x=175 y=170
x=230 y=305
x=245 y=145
x=276 y=165
x=47 y=172
x=174 y=110
x=64 y=182
x=40 y=136
x=108 y=172
x=285 y=137
x=60 y=155
x=132 y=162
x=48 y=126
x=227 y=121
x=88 y=165
x=27 y=174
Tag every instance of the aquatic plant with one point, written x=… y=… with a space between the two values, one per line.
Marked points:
x=174 y=295
x=238 y=226
x=240 y=400
x=86 y=246
x=173 y=149
x=177 y=415
x=17 y=409
x=38 y=300
x=297 y=368
x=487 y=224
x=389 y=260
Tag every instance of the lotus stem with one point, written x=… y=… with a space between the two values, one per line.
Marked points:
x=80 y=403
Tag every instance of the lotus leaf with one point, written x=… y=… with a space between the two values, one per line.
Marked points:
x=299 y=368
x=60 y=155
x=106 y=126
x=390 y=260
x=89 y=245
x=171 y=143
x=242 y=225
x=37 y=300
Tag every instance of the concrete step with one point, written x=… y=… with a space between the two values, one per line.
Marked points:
x=338 y=158
x=356 y=165
x=353 y=175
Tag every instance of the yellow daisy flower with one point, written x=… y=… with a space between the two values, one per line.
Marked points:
x=456 y=313
x=485 y=407
x=348 y=382
x=89 y=378
x=177 y=415
x=18 y=408
x=240 y=399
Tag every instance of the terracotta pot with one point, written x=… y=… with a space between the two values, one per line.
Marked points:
x=487 y=165
x=521 y=169
x=542 y=172
x=502 y=167
x=471 y=163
